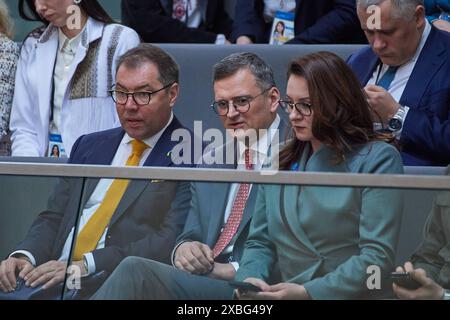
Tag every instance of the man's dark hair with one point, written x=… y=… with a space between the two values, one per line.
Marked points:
x=230 y=65
x=146 y=53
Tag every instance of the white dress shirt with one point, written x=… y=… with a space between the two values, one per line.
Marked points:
x=119 y=160
x=67 y=49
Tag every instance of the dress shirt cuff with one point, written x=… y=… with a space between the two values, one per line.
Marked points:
x=235 y=265
x=402 y=115
x=26 y=254
x=172 y=258
x=220 y=39
x=90 y=263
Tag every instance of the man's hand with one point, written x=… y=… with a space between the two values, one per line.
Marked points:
x=280 y=291
x=428 y=290
x=194 y=257
x=383 y=104
x=222 y=271
x=8 y=270
x=49 y=274
x=244 y=40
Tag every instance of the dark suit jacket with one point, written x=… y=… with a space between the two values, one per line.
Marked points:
x=147 y=219
x=152 y=19
x=425 y=137
x=316 y=22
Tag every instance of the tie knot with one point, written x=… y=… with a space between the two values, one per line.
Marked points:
x=392 y=69
x=138 y=147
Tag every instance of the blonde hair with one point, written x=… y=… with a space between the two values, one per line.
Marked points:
x=6 y=25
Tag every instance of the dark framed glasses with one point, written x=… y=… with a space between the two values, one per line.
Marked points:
x=141 y=98
x=304 y=108
x=241 y=104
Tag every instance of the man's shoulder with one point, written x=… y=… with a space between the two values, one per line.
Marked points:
x=90 y=143
x=101 y=136
x=361 y=56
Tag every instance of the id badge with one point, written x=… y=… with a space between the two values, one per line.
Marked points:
x=282 y=28
x=55 y=146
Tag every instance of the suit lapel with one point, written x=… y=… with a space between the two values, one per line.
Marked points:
x=46 y=51
x=290 y=206
x=289 y=210
x=430 y=60
x=216 y=210
x=249 y=208
x=373 y=62
x=102 y=154
x=159 y=157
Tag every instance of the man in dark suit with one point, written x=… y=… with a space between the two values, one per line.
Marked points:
x=316 y=22
x=177 y=21
x=119 y=217
x=406 y=73
x=208 y=252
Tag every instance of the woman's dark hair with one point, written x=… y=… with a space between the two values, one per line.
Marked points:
x=282 y=24
x=342 y=118
x=92 y=8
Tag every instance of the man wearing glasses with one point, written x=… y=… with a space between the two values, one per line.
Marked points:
x=207 y=253
x=120 y=217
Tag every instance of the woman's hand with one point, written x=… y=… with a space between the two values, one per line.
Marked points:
x=280 y=291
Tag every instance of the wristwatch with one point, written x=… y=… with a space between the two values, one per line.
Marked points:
x=396 y=122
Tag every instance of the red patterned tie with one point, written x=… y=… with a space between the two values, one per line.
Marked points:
x=237 y=211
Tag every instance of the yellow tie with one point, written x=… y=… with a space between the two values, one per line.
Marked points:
x=89 y=237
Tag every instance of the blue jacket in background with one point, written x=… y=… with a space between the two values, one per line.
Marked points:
x=316 y=22
x=425 y=139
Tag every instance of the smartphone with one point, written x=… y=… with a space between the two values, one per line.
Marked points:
x=403 y=279
x=244 y=286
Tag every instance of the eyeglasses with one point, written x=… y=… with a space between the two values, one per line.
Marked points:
x=141 y=98
x=304 y=108
x=241 y=104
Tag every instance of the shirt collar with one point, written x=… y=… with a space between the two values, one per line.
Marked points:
x=423 y=40
x=151 y=141
x=70 y=44
x=262 y=145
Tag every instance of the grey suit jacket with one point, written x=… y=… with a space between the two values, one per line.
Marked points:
x=208 y=203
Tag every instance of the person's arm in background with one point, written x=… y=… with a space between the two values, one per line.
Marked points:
x=249 y=25
x=8 y=63
x=25 y=111
x=153 y=24
x=429 y=254
x=334 y=27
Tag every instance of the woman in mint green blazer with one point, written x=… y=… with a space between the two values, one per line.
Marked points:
x=325 y=239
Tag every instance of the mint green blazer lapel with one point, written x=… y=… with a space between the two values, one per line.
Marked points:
x=290 y=208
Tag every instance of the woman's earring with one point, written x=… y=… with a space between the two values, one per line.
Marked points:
x=77 y=1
